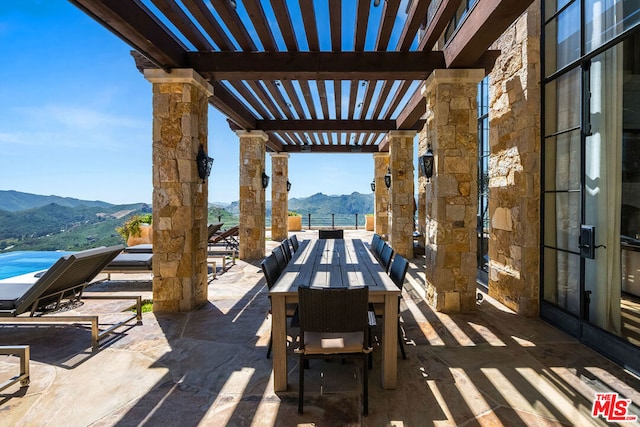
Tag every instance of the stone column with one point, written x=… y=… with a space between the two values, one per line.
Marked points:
x=422 y=189
x=279 y=196
x=180 y=107
x=451 y=129
x=402 y=200
x=381 y=196
x=514 y=167
x=252 y=195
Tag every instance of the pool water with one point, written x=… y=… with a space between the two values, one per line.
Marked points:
x=23 y=262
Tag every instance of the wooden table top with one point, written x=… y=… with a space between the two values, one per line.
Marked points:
x=333 y=263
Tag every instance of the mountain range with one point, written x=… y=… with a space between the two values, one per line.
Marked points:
x=36 y=222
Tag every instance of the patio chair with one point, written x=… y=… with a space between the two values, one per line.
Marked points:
x=385 y=256
x=60 y=286
x=23 y=352
x=286 y=249
x=397 y=273
x=272 y=271
x=330 y=234
x=212 y=229
x=280 y=257
x=294 y=243
x=334 y=324
x=130 y=262
x=228 y=238
x=377 y=250
x=374 y=242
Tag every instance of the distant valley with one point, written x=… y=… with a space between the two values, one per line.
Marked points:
x=36 y=222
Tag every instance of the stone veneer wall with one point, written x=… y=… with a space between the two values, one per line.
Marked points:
x=514 y=166
x=279 y=196
x=381 y=197
x=180 y=111
x=402 y=197
x=252 y=195
x=451 y=197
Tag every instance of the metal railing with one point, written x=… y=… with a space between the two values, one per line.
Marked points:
x=310 y=221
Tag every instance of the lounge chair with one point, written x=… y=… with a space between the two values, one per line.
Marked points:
x=62 y=284
x=22 y=351
x=130 y=262
x=213 y=229
x=228 y=238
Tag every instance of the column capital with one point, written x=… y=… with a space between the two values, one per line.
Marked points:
x=252 y=134
x=474 y=75
x=276 y=155
x=381 y=155
x=402 y=133
x=179 y=75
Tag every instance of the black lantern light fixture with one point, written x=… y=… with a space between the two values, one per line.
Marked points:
x=426 y=164
x=265 y=180
x=373 y=185
x=288 y=186
x=387 y=178
x=204 y=163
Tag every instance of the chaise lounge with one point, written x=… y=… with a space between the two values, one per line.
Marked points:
x=62 y=285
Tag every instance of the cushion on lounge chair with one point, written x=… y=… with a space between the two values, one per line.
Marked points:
x=130 y=262
x=143 y=248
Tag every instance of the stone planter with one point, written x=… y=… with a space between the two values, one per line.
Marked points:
x=294 y=223
x=369 y=222
x=146 y=236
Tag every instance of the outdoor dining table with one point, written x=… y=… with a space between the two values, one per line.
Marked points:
x=334 y=263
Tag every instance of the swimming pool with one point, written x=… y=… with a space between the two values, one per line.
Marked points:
x=23 y=262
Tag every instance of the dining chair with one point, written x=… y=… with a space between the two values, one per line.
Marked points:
x=385 y=256
x=294 y=243
x=377 y=250
x=397 y=273
x=334 y=324
x=374 y=241
x=272 y=271
x=286 y=249
x=279 y=254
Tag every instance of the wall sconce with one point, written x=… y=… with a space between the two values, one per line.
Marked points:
x=288 y=186
x=426 y=163
x=387 y=178
x=204 y=164
x=373 y=185
x=265 y=180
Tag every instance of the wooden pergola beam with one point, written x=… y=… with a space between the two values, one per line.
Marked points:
x=315 y=65
x=326 y=125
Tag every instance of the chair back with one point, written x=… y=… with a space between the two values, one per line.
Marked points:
x=398 y=270
x=385 y=257
x=374 y=241
x=333 y=309
x=377 y=250
x=280 y=257
x=271 y=269
x=286 y=249
x=294 y=243
x=213 y=229
x=70 y=273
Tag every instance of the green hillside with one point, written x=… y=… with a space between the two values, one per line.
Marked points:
x=14 y=201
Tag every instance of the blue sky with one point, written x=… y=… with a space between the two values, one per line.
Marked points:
x=76 y=117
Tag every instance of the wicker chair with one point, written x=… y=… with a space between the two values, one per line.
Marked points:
x=385 y=257
x=334 y=324
x=286 y=248
x=294 y=243
x=272 y=271
x=280 y=257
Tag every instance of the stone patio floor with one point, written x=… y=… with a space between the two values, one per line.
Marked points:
x=208 y=368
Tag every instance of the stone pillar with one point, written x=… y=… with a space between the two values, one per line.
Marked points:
x=451 y=129
x=514 y=167
x=180 y=198
x=252 y=195
x=279 y=196
x=422 y=189
x=381 y=196
x=402 y=201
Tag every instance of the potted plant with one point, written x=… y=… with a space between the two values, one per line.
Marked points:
x=137 y=230
x=369 y=222
x=294 y=221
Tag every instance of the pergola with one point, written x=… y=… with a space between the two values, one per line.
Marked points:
x=291 y=77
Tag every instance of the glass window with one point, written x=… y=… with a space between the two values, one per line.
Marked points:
x=562 y=220
x=606 y=19
x=552 y=6
x=562 y=39
x=561 y=280
x=563 y=108
x=562 y=162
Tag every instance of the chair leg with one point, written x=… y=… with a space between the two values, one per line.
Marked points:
x=370 y=355
x=365 y=387
x=401 y=341
x=301 y=384
x=269 y=347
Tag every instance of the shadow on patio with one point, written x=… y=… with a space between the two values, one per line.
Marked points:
x=208 y=367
